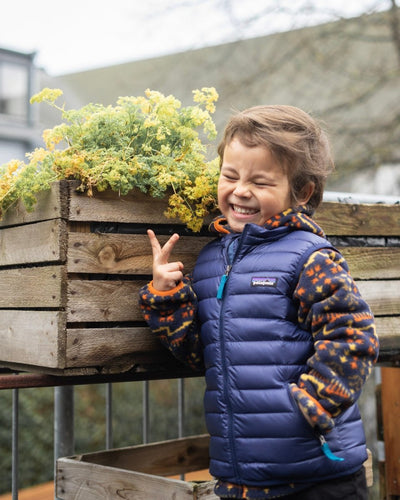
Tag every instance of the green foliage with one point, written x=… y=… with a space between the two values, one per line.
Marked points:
x=150 y=143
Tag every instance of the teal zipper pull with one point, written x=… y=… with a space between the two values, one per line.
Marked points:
x=221 y=287
x=327 y=451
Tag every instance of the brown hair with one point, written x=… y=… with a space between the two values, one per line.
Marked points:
x=294 y=138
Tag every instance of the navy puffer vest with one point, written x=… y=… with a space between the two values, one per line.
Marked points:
x=253 y=350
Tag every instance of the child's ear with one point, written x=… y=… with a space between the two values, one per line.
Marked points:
x=306 y=193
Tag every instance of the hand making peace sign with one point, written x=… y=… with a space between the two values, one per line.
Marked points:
x=166 y=275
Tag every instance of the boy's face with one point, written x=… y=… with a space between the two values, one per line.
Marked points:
x=252 y=186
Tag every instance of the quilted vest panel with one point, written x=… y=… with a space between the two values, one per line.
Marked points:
x=253 y=350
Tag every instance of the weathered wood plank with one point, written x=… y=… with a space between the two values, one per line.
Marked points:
x=33 y=287
x=51 y=204
x=373 y=262
x=32 y=337
x=33 y=243
x=105 y=346
x=388 y=326
x=383 y=297
x=108 y=206
x=387 y=329
x=138 y=471
x=369 y=471
x=136 y=207
x=92 y=482
x=165 y=458
x=138 y=345
x=335 y=218
x=391 y=418
x=118 y=300
x=103 y=301
x=205 y=491
x=125 y=253
x=342 y=219
x=131 y=345
x=131 y=254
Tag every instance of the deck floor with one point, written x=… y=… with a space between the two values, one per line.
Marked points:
x=39 y=492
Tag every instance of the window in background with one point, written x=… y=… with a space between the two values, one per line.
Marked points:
x=14 y=84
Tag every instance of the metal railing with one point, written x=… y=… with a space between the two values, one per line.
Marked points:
x=64 y=414
x=343 y=197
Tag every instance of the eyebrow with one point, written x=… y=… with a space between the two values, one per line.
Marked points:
x=229 y=168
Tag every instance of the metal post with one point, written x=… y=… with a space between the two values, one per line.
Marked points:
x=109 y=429
x=145 y=412
x=14 y=445
x=181 y=406
x=63 y=422
x=181 y=411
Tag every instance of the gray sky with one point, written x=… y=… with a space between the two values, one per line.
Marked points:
x=76 y=35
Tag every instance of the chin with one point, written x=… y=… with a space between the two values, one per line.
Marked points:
x=237 y=227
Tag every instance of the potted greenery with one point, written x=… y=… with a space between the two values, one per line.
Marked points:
x=149 y=142
x=71 y=265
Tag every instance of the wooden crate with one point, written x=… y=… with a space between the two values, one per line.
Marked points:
x=138 y=472
x=70 y=273
x=144 y=472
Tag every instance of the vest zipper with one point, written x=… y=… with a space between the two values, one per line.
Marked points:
x=222 y=283
x=220 y=296
x=231 y=252
x=327 y=451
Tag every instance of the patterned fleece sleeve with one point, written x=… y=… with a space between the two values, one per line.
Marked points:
x=345 y=341
x=172 y=317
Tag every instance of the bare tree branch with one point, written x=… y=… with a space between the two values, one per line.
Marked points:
x=395 y=27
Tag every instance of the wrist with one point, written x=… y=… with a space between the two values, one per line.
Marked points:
x=155 y=291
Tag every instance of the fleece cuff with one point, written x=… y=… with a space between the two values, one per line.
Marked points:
x=164 y=293
x=312 y=410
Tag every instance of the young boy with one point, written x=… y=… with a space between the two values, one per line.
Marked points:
x=275 y=319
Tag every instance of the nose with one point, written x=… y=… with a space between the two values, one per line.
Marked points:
x=241 y=190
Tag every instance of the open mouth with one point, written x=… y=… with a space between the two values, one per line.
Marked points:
x=243 y=210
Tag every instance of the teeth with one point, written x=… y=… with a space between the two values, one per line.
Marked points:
x=244 y=211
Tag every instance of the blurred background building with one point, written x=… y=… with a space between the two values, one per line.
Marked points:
x=345 y=73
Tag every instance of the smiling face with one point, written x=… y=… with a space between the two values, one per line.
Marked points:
x=252 y=186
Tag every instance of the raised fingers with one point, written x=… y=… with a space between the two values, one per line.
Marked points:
x=155 y=244
x=165 y=274
x=162 y=254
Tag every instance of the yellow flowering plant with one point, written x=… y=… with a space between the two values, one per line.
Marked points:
x=149 y=142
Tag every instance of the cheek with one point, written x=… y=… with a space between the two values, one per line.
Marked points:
x=222 y=191
x=222 y=202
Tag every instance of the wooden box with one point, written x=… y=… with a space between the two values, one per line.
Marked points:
x=139 y=472
x=70 y=273
x=145 y=472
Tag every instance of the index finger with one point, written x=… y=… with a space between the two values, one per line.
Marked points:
x=162 y=253
x=155 y=244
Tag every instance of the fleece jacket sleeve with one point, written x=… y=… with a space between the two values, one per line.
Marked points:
x=172 y=317
x=345 y=341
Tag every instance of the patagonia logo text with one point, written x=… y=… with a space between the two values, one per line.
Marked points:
x=263 y=281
